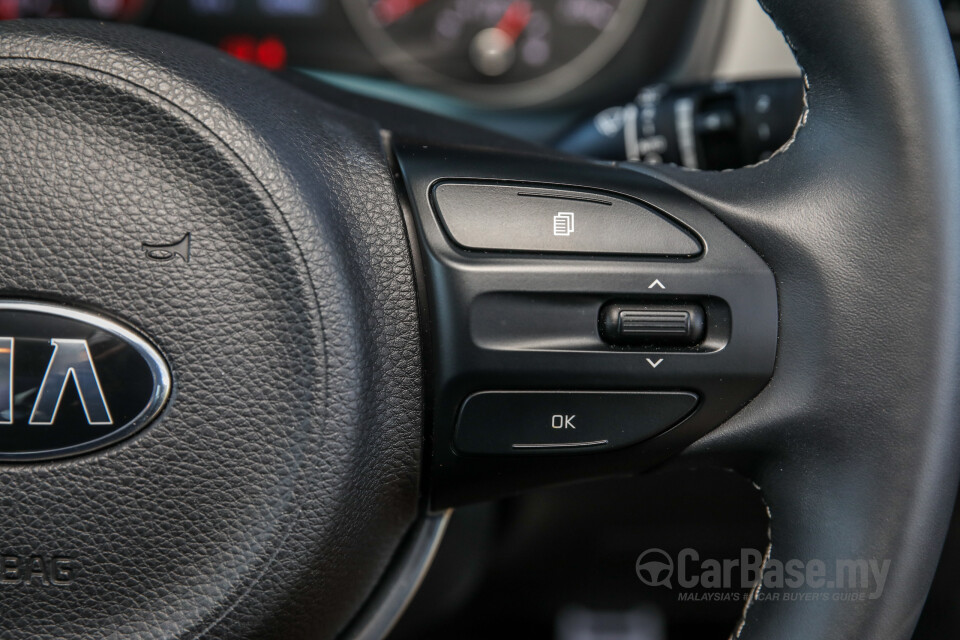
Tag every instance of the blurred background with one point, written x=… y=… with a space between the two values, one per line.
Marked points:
x=649 y=80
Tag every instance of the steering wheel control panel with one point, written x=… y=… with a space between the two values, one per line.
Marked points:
x=584 y=319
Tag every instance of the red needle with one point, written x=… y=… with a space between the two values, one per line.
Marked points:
x=389 y=11
x=515 y=19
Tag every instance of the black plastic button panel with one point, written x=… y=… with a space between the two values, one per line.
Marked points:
x=511 y=311
x=501 y=217
x=539 y=422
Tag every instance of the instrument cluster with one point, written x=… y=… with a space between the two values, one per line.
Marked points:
x=499 y=53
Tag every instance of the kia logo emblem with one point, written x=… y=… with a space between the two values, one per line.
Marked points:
x=72 y=381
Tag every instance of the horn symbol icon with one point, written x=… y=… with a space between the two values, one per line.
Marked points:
x=167 y=252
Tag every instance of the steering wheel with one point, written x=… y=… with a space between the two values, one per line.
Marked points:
x=359 y=335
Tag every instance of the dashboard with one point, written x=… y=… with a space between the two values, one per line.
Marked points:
x=536 y=70
x=482 y=54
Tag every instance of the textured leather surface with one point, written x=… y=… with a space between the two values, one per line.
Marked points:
x=854 y=444
x=270 y=496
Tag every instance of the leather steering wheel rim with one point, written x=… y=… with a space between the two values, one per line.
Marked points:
x=854 y=443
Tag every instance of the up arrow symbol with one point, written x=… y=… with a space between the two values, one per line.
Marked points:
x=656 y=283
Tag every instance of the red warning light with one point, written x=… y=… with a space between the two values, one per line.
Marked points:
x=240 y=46
x=268 y=52
x=9 y=9
x=271 y=53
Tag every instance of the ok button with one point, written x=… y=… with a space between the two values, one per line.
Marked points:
x=531 y=422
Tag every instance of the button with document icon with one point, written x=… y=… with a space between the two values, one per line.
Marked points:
x=563 y=223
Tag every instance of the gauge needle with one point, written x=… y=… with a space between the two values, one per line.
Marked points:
x=389 y=11
x=515 y=19
x=493 y=50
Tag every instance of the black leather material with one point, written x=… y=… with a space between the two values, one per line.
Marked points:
x=272 y=493
x=854 y=444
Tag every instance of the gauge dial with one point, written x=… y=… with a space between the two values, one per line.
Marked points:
x=509 y=52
